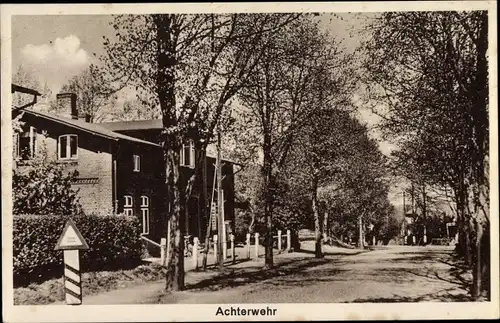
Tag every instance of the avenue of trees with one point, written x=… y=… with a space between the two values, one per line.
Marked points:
x=272 y=72
x=280 y=92
x=427 y=77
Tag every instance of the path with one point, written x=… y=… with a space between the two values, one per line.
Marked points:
x=388 y=274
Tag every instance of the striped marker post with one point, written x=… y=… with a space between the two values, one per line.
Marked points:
x=72 y=277
x=71 y=241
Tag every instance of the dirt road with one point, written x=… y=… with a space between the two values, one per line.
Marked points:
x=386 y=274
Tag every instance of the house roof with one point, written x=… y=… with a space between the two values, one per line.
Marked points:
x=92 y=128
x=22 y=89
x=133 y=125
x=153 y=124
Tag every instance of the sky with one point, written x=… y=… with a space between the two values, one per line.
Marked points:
x=57 y=47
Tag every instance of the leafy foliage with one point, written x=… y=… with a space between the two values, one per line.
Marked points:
x=113 y=240
x=43 y=186
x=427 y=76
x=191 y=66
x=93 y=92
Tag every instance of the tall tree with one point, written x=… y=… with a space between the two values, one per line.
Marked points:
x=191 y=66
x=93 y=92
x=427 y=73
x=325 y=145
x=281 y=95
x=24 y=77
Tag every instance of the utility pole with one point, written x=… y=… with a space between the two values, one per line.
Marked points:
x=220 y=204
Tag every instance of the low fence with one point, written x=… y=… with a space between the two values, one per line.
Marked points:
x=282 y=242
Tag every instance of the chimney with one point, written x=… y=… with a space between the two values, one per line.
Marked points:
x=67 y=104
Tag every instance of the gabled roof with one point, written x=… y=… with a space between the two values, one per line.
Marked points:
x=93 y=128
x=156 y=124
x=153 y=124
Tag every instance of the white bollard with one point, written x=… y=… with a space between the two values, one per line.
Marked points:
x=279 y=241
x=256 y=245
x=374 y=241
x=216 y=255
x=414 y=240
x=163 y=250
x=195 y=253
x=288 y=241
x=248 y=245
x=233 y=254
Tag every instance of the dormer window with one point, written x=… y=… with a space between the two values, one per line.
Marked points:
x=67 y=147
x=187 y=154
x=137 y=163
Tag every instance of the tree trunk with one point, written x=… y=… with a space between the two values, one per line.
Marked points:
x=360 y=228
x=268 y=200
x=207 y=212
x=317 y=224
x=166 y=43
x=175 y=266
x=477 y=268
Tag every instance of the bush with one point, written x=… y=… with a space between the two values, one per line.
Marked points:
x=114 y=243
x=43 y=186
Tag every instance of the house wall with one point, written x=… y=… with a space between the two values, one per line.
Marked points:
x=149 y=182
x=198 y=216
x=93 y=164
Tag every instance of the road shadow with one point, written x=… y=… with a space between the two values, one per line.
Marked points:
x=306 y=278
x=235 y=277
x=336 y=253
x=441 y=296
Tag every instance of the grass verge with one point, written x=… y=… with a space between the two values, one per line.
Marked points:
x=93 y=283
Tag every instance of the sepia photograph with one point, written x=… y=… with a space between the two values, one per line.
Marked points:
x=250 y=161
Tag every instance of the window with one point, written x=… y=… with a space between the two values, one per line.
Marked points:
x=145 y=214
x=25 y=144
x=127 y=206
x=187 y=154
x=137 y=163
x=144 y=201
x=67 y=147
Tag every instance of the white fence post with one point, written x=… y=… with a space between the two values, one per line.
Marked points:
x=163 y=250
x=288 y=240
x=248 y=245
x=233 y=254
x=279 y=241
x=195 y=253
x=215 y=248
x=256 y=245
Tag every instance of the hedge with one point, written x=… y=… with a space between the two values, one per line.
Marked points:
x=114 y=243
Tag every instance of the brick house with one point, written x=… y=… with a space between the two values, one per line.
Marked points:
x=119 y=166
